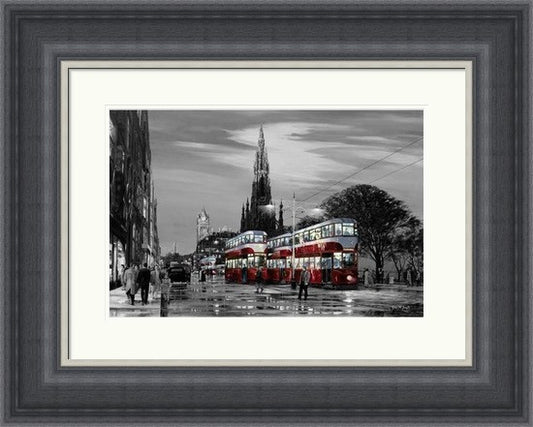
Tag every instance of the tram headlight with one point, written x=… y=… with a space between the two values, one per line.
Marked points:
x=349 y=278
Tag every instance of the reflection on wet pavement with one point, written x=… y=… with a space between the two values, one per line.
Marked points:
x=216 y=298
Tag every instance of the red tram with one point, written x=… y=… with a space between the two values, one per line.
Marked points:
x=279 y=258
x=330 y=251
x=244 y=254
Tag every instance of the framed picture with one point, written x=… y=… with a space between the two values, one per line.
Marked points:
x=355 y=159
x=267 y=213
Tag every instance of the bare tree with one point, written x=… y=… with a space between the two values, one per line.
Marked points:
x=309 y=220
x=378 y=214
x=406 y=251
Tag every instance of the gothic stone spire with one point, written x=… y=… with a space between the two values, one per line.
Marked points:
x=261 y=166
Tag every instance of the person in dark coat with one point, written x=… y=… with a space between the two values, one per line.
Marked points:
x=305 y=279
x=143 y=279
x=244 y=274
x=259 y=287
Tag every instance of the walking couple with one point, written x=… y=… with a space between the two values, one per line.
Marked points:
x=137 y=279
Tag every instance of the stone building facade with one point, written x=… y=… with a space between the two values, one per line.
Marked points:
x=133 y=206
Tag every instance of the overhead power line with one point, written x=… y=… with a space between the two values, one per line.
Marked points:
x=363 y=169
x=397 y=170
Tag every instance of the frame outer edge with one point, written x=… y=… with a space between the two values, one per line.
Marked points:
x=8 y=205
x=527 y=81
x=8 y=230
x=3 y=203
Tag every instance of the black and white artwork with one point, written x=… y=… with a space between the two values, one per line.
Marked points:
x=266 y=213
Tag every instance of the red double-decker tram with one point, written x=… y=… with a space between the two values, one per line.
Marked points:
x=244 y=254
x=330 y=251
x=279 y=258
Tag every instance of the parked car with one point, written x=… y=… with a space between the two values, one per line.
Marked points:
x=179 y=274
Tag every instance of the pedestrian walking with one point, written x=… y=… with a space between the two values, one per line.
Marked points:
x=379 y=275
x=121 y=277
x=259 y=287
x=409 y=278
x=366 y=277
x=305 y=278
x=244 y=274
x=130 y=283
x=155 y=281
x=165 y=293
x=143 y=279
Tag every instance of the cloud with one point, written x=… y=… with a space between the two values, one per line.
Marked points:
x=204 y=158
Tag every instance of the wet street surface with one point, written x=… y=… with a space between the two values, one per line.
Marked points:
x=216 y=298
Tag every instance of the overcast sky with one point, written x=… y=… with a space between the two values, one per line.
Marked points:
x=205 y=159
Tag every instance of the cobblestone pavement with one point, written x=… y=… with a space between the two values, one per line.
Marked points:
x=216 y=298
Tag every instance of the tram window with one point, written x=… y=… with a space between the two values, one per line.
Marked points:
x=338 y=229
x=298 y=262
x=348 y=259
x=347 y=229
x=306 y=236
x=306 y=262
x=337 y=260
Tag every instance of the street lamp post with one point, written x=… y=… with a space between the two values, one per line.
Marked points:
x=315 y=211
x=294 y=209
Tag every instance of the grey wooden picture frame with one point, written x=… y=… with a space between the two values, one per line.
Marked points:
x=494 y=35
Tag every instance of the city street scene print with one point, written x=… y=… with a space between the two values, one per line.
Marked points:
x=266 y=213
